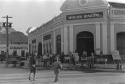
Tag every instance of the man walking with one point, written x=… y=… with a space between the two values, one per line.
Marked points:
x=57 y=66
x=32 y=66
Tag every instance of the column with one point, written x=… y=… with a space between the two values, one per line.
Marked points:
x=104 y=37
x=54 y=42
x=65 y=39
x=98 y=38
x=112 y=39
x=71 y=38
x=62 y=40
x=42 y=44
x=28 y=45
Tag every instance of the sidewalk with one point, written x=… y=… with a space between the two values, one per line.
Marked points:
x=10 y=69
x=97 y=67
x=78 y=67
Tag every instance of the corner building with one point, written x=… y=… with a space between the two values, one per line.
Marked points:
x=90 y=25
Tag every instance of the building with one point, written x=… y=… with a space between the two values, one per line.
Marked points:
x=18 y=42
x=83 y=25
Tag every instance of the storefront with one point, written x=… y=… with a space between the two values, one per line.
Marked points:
x=83 y=25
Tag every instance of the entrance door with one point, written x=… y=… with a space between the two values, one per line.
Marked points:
x=40 y=49
x=58 y=44
x=85 y=42
x=22 y=53
x=121 y=42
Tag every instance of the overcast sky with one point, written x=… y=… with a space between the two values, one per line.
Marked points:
x=31 y=13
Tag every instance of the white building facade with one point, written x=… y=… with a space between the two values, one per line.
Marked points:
x=83 y=25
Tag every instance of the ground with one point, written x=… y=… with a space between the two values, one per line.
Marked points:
x=11 y=75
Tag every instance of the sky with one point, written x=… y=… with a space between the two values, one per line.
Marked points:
x=31 y=13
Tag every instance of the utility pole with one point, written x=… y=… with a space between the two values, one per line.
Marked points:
x=6 y=25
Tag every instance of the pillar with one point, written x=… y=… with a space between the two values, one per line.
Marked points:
x=42 y=45
x=54 y=42
x=98 y=38
x=62 y=40
x=71 y=38
x=112 y=39
x=104 y=37
x=65 y=39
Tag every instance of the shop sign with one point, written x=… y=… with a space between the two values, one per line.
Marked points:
x=84 y=16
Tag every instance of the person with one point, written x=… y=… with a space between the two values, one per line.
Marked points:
x=84 y=54
x=101 y=53
x=62 y=57
x=91 y=60
x=83 y=57
x=50 y=59
x=32 y=65
x=45 y=60
x=72 y=60
x=57 y=66
x=76 y=57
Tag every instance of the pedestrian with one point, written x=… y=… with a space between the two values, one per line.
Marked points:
x=84 y=54
x=76 y=57
x=32 y=66
x=62 y=57
x=50 y=59
x=91 y=60
x=57 y=66
x=45 y=58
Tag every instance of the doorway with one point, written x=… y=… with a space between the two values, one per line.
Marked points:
x=121 y=43
x=22 y=53
x=120 y=37
x=40 y=49
x=85 y=42
x=58 y=44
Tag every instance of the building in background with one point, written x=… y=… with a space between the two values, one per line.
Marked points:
x=83 y=25
x=18 y=42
